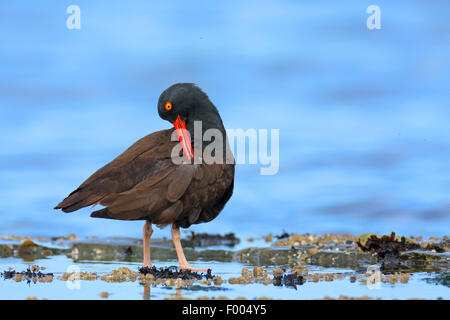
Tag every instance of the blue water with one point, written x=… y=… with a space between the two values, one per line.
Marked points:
x=363 y=114
x=417 y=287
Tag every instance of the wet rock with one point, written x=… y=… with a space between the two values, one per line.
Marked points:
x=421 y=261
x=29 y=275
x=396 y=252
x=386 y=247
x=326 y=258
x=217 y=280
x=320 y=242
x=34 y=268
x=266 y=256
x=277 y=272
x=69 y=237
x=258 y=275
x=28 y=251
x=202 y=240
x=341 y=259
x=300 y=270
x=317 y=277
x=131 y=250
x=7 y=250
x=72 y=276
x=435 y=247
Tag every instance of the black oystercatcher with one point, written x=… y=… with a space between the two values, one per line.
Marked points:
x=145 y=183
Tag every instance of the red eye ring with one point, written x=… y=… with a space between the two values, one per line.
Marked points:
x=168 y=106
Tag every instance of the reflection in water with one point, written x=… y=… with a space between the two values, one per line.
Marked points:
x=146 y=292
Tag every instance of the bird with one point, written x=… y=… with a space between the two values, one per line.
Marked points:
x=166 y=178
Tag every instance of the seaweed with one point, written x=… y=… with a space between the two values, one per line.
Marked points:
x=436 y=247
x=442 y=279
x=288 y=280
x=31 y=274
x=386 y=246
x=284 y=235
x=173 y=273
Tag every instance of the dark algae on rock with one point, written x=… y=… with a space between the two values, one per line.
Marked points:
x=284 y=235
x=395 y=252
x=443 y=279
x=386 y=246
x=32 y=274
x=288 y=280
x=173 y=273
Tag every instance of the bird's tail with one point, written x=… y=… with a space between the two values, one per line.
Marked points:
x=103 y=213
x=78 y=199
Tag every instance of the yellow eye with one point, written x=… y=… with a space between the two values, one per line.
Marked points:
x=168 y=106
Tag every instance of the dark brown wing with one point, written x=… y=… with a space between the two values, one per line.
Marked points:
x=144 y=183
x=155 y=197
x=209 y=191
x=145 y=158
x=182 y=194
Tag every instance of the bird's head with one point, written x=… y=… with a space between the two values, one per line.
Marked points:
x=184 y=103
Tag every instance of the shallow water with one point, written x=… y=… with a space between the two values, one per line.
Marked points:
x=416 y=287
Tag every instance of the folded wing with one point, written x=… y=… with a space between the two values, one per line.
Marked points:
x=146 y=160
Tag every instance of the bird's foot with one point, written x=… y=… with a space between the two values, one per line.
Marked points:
x=147 y=265
x=189 y=268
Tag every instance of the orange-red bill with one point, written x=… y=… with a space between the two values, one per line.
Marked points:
x=183 y=136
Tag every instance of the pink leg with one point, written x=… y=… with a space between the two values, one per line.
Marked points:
x=184 y=265
x=147 y=234
x=146 y=292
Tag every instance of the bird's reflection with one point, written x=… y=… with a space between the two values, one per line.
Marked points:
x=146 y=294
